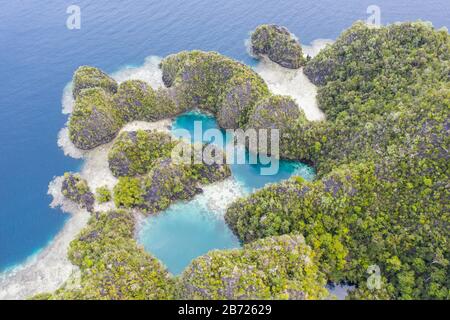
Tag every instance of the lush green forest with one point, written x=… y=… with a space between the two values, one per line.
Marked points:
x=112 y=265
x=382 y=159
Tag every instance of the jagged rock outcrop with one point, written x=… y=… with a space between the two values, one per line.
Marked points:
x=86 y=77
x=274 y=112
x=134 y=100
x=136 y=152
x=137 y=100
x=166 y=106
x=273 y=268
x=93 y=121
x=167 y=182
x=76 y=189
x=170 y=182
x=278 y=44
x=317 y=71
x=214 y=84
x=237 y=102
x=112 y=265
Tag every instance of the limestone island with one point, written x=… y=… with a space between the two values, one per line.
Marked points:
x=380 y=197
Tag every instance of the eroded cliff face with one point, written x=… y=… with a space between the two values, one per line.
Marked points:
x=214 y=84
x=278 y=44
x=76 y=189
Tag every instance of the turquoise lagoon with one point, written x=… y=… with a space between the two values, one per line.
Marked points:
x=190 y=229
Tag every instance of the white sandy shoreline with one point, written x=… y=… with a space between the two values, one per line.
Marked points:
x=47 y=270
x=293 y=82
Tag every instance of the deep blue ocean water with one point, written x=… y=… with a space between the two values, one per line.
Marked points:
x=38 y=56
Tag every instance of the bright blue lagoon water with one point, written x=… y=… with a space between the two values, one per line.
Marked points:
x=189 y=229
x=248 y=175
x=39 y=54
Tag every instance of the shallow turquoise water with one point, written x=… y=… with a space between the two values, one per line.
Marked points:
x=190 y=229
x=185 y=231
